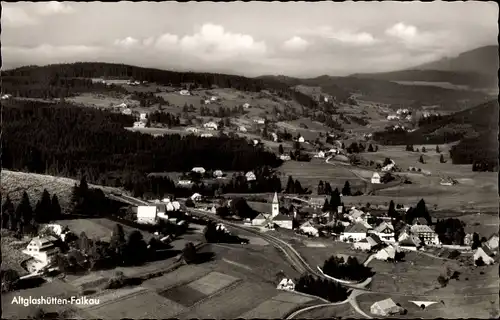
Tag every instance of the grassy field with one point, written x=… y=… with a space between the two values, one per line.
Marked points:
x=310 y=173
x=12 y=257
x=14 y=183
x=316 y=256
x=344 y=311
x=484 y=224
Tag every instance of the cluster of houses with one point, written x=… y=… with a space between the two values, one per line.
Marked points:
x=401 y=114
x=6 y=96
x=150 y=214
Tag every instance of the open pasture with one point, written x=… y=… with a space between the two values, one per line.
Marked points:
x=212 y=282
x=103 y=100
x=344 y=311
x=316 y=256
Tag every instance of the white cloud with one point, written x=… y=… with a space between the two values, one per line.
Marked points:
x=167 y=41
x=296 y=44
x=212 y=41
x=16 y=17
x=53 y=8
x=127 y=42
x=402 y=31
x=343 y=36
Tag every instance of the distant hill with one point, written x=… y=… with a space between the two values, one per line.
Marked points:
x=475 y=68
x=476 y=128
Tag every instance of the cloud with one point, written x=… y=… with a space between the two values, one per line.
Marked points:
x=53 y=8
x=402 y=31
x=343 y=36
x=213 y=42
x=16 y=16
x=295 y=44
x=167 y=41
x=127 y=42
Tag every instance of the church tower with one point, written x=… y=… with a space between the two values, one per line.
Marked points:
x=276 y=206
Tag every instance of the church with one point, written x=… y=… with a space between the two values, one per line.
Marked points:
x=281 y=220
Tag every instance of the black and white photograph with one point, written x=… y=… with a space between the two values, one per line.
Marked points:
x=249 y=160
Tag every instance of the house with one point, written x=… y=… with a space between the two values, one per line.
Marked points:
x=246 y=105
x=468 y=239
x=259 y=121
x=255 y=142
x=368 y=243
x=355 y=215
x=283 y=221
x=301 y=139
x=173 y=206
x=307 y=228
x=213 y=98
x=385 y=308
x=42 y=249
x=259 y=220
x=317 y=202
x=485 y=254
x=6 y=96
x=285 y=157
x=143 y=116
x=200 y=170
x=409 y=241
x=218 y=174
x=206 y=135
x=492 y=242
x=320 y=154
x=147 y=214
x=388 y=252
x=192 y=129
x=127 y=111
x=385 y=231
x=211 y=126
x=207 y=101
x=184 y=93
x=355 y=233
x=184 y=182
x=448 y=181
x=242 y=129
x=426 y=233
x=392 y=117
x=286 y=284
x=419 y=221
x=375 y=178
x=250 y=176
x=139 y=124
x=402 y=111
x=55 y=229
x=274 y=137
x=196 y=197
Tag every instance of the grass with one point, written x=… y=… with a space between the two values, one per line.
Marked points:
x=183 y=274
x=12 y=257
x=344 y=311
x=14 y=183
x=316 y=256
x=183 y=295
x=310 y=173
x=212 y=282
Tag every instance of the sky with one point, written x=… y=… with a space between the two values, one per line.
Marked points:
x=298 y=39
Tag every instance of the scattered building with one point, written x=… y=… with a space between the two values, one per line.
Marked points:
x=207 y=101
x=42 y=249
x=206 y=135
x=242 y=129
x=192 y=129
x=274 y=137
x=355 y=233
x=259 y=121
x=143 y=116
x=492 y=242
x=213 y=98
x=250 y=176
x=392 y=117
x=317 y=202
x=468 y=239
x=196 y=197
x=218 y=174
x=185 y=182
x=246 y=105
x=285 y=157
x=200 y=170
x=139 y=124
x=448 y=181
x=385 y=308
x=184 y=93
x=301 y=139
x=408 y=241
x=286 y=284
x=259 y=220
x=211 y=126
x=385 y=231
x=6 y=96
x=309 y=229
x=127 y=111
x=426 y=233
x=368 y=243
x=386 y=253
x=376 y=178
x=147 y=214
x=320 y=154
x=485 y=254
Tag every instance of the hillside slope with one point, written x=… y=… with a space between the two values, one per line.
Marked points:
x=475 y=68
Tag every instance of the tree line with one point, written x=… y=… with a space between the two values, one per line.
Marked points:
x=66 y=140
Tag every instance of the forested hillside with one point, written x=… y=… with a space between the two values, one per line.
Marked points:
x=70 y=141
x=65 y=79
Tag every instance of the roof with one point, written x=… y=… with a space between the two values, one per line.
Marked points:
x=275 y=198
x=196 y=195
x=376 y=175
x=486 y=250
x=357 y=228
x=385 y=304
x=410 y=241
x=260 y=216
x=307 y=224
x=390 y=250
x=419 y=220
x=421 y=229
x=373 y=239
x=355 y=213
x=282 y=217
x=384 y=225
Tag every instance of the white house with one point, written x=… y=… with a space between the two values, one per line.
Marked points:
x=192 y=129
x=448 y=181
x=274 y=136
x=376 y=178
x=196 y=197
x=259 y=121
x=485 y=254
x=127 y=111
x=246 y=105
x=173 y=206
x=218 y=174
x=385 y=308
x=355 y=215
x=184 y=93
x=6 y=96
x=211 y=126
x=424 y=231
x=282 y=221
x=286 y=284
x=185 y=182
x=242 y=129
x=402 y=111
x=147 y=214
x=355 y=233
x=385 y=231
x=308 y=229
x=213 y=98
x=42 y=249
x=200 y=170
x=388 y=252
x=320 y=154
x=206 y=135
x=255 y=142
x=492 y=242
x=207 y=101
x=285 y=157
x=392 y=117
x=250 y=176
x=301 y=139
x=259 y=220
x=143 y=116
x=139 y=124
x=368 y=243
x=389 y=167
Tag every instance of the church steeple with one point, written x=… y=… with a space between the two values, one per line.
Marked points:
x=276 y=206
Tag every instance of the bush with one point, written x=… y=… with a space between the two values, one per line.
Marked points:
x=442 y=281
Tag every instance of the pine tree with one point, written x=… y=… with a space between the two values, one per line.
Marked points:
x=290 y=185
x=326 y=206
x=8 y=213
x=376 y=148
x=346 y=190
x=335 y=200
x=370 y=148
x=437 y=149
x=392 y=211
x=441 y=159
x=423 y=149
x=321 y=188
x=281 y=151
x=298 y=187
x=55 y=208
x=43 y=208
x=421 y=159
x=24 y=211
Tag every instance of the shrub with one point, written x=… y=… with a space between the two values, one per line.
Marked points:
x=442 y=281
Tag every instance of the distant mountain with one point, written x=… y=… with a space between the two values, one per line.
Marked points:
x=475 y=68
